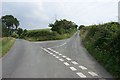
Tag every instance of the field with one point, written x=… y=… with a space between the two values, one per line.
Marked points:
x=45 y=34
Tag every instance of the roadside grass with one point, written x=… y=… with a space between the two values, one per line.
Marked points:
x=46 y=34
x=103 y=42
x=0 y=47
x=6 y=43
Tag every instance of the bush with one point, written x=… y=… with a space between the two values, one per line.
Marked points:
x=103 y=42
x=14 y=35
x=46 y=34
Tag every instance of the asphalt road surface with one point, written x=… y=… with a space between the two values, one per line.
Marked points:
x=51 y=59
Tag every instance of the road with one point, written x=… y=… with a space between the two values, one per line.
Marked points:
x=51 y=59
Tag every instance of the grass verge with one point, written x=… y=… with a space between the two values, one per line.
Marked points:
x=6 y=43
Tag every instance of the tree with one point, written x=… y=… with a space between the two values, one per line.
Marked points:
x=10 y=23
x=81 y=26
x=63 y=26
x=24 y=34
x=19 y=31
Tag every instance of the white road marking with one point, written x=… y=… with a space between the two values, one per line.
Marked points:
x=51 y=53
x=93 y=73
x=81 y=75
x=83 y=68
x=52 y=50
x=59 y=54
x=73 y=69
x=68 y=59
x=54 y=55
x=56 y=52
x=61 y=59
x=74 y=62
x=66 y=64
x=63 y=44
x=64 y=56
x=57 y=57
x=46 y=50
x=59 y=45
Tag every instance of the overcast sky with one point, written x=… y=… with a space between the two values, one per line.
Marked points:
x=39 y=13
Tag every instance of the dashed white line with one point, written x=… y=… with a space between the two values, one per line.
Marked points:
x=74 y=62
x=46 y=51
x=61 y=59
x=64 y=56
x=59 y=54
x=57 y=57
x=93 y=73
x=52 y=50
x=68 y=59
x=73 y=69
x=66 y=64
x=54 y=55
x=83 y=68
x=51 y=53
x=81 y=75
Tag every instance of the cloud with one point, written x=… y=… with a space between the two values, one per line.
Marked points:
x=60 y=0
x=38 y=14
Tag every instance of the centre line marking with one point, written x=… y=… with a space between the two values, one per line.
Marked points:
x=74 y=62
x=81 y=75
x=73 y=69
x=66 y=64
x=68 y=59
x=61 y=59
x=83 y=68
x=93 y=73
x=64 y=56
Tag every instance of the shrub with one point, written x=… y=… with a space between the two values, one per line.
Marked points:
x=103 y=42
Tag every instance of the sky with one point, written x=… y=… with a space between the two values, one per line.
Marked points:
x=38 y=14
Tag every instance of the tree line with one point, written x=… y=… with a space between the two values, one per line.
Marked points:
x=10 y=28
x=60 y=29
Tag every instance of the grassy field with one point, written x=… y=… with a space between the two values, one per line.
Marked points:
x=103 y=42
x=6 y=43
x=45 y=34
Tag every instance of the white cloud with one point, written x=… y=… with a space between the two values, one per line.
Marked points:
x=60 y=0
x=39 y=14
